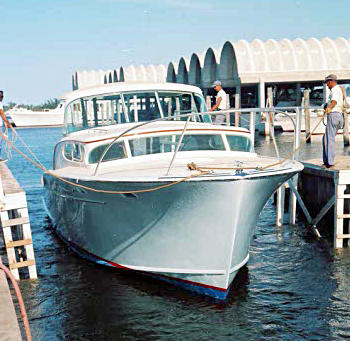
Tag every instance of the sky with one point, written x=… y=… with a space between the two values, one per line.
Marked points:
x=45 y=41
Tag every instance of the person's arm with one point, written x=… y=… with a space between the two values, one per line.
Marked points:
x=3 y=116
x=330 y=107
x=216 y=104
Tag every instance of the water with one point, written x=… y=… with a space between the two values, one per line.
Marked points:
x=294 y=287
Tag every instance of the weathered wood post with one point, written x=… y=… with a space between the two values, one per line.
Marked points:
x=228 y=114
x=208 y=103
x=294 y=180
x=306 y=105
x=281 y=194
x=262 y=125
x=237 y=106
x=271 y=117
x=338 y=213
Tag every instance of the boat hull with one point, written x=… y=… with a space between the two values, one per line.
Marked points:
x=195 y=234
x=37 y=119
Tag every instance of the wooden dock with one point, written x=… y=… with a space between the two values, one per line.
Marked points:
x=9 y=328
x=326 y=195
x=15 y=225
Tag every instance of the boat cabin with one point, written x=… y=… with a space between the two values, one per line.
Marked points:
x=85 y=148
x=131 y=102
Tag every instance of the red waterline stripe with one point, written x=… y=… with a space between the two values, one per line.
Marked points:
x=146 y=272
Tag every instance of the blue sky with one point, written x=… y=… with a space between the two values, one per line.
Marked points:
x=44 y=41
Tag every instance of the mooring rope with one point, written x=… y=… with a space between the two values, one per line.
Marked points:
x=4 y=147
x=191 y=166
x=45 y=170
x=195 y=167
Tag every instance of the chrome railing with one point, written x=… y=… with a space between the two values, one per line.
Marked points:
x=229 y=113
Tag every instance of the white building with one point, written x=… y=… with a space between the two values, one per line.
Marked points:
x=244 y=67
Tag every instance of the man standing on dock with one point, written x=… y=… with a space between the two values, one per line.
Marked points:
x=2 y=114
x=4 y=124
x=335 y=119
x=220 y=102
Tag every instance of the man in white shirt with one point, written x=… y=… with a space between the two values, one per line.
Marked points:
x=335 y=119
x=221 y=102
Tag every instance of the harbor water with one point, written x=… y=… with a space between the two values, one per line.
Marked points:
x=293 y=287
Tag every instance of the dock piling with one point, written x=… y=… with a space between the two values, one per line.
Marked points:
x=15 y=225
x=306 y=104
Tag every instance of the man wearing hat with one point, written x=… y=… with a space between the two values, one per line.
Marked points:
x=335 y=119
x=221 y=102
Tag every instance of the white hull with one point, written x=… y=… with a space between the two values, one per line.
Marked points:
x=197 y=232
x=37 y=119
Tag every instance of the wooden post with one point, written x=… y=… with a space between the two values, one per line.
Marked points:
x=7 y=233
x=346 y=130
x=280 y=205
x=293 y=202
x=262 y=124
x=298 y=94
x=307 y=116
x=252 y=116
x=338 y=213
x=237 y=113
x=325 y=92
x=269 y=124
x=208 y=102
x=228 y=115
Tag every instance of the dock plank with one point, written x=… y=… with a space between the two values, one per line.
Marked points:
x=9 y=328
x=341 y=163
x=9 y=183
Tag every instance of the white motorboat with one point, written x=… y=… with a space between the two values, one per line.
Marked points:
x=23 y=117
x=194 y=233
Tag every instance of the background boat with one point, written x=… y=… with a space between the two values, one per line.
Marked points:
x=23 y=117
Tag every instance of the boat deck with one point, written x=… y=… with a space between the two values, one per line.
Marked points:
x=155 y=168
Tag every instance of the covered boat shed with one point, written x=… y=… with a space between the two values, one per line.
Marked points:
x=246 y=68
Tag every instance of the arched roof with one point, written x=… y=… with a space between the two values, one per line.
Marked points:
x=171 y=74
x=182 y=73
x=115 y=76
x=194 y=75
x=242 y=62
x=227 y=69
x=121 y=74
x=209 y=68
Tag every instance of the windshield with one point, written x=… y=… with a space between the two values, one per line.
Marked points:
x=166 y=144
x=138 y=106
x=115 y=152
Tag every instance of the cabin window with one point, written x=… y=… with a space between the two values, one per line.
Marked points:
x=92 y=112
x=165 y=144
x=73 y=151
x=175 y=103
x=137 y=106
x=202 y=142
x=115 y=152
x=239 y=143
x=141 y=106
x=77 y=152
x=67 y=150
